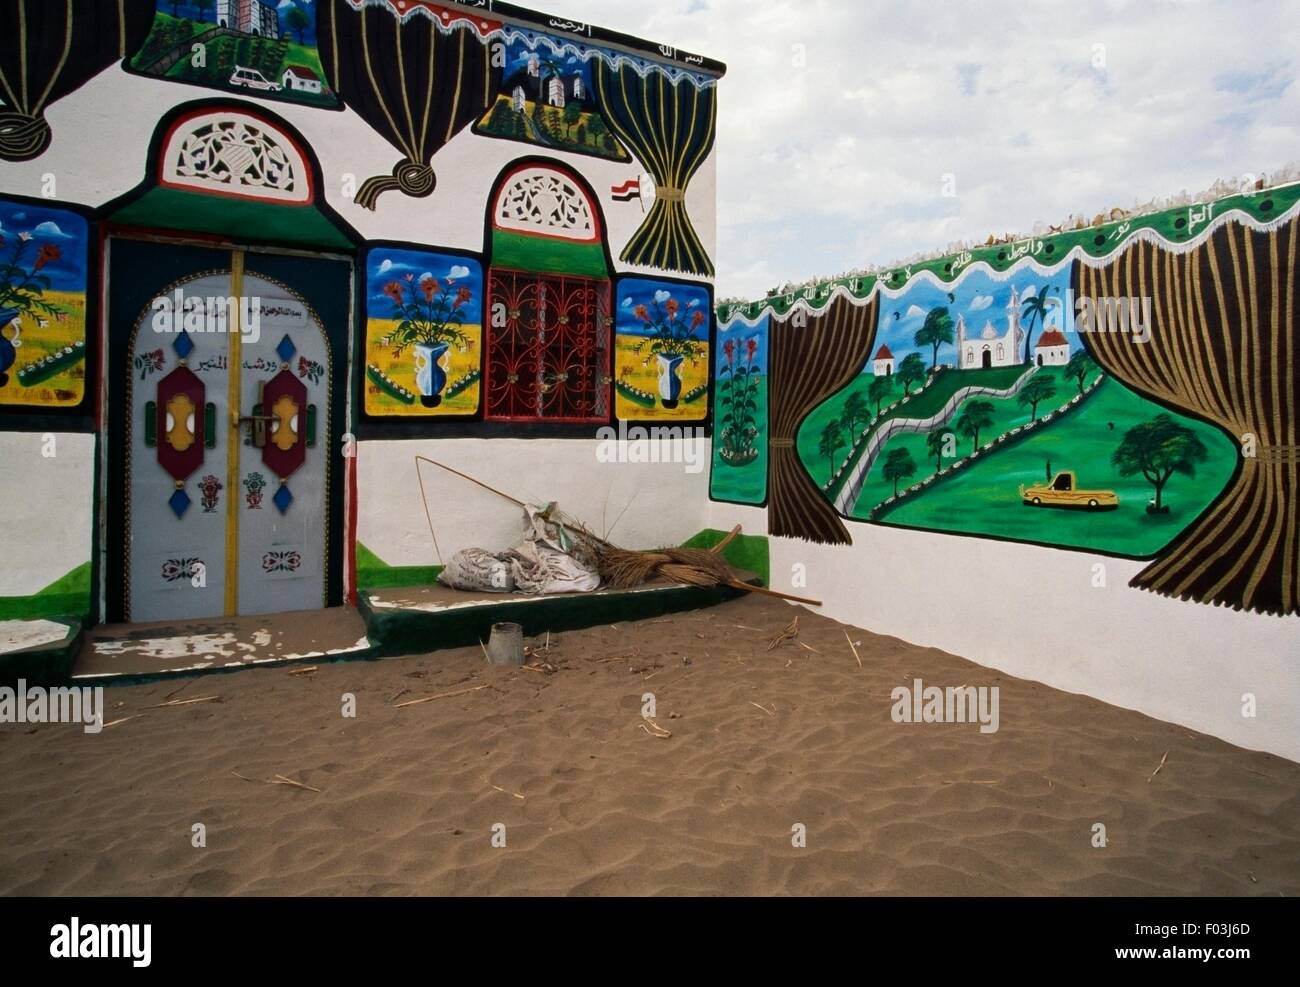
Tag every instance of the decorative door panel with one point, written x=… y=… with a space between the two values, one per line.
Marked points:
x=178 y=459
x=548 y=349
x=224 y=438
x=282 y=511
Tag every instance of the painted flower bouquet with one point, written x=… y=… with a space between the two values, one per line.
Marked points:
x=432 y=313
x=672 y=340
x=738 y=396
x=22 y=290
x=430 y=320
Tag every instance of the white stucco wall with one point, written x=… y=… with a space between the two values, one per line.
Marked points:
x=661 y=503
x=45 y=501
x=1187 y=663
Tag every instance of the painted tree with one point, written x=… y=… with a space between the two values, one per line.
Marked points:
x=1035 y=309
x=936 y=446
x=911 y=371
x=856 y=412
x=298 y=20
x=1080 y=365
x=975 y=417
x=203 y=6
x=935 y=332
x=1040 y=388
x=899 y=465
x=832 y=439
x=572 y=114
x=1158 y=449
x=880 y=389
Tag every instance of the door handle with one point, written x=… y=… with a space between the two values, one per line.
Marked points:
x=256 y=426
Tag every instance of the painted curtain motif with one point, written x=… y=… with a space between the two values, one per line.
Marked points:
x=980 y=411
x=424 y=333
x=263 y=48
x=546 y=99
x=48 y=50
x=43 y=259
x=739 y=472
x=661 y=350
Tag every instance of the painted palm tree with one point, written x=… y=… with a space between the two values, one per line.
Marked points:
x=1035 y=309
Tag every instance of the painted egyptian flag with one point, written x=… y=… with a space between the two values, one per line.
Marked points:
x=50 y=48
x=416 y=72
x=629 y=190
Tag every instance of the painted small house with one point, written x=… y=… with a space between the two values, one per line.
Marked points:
x=301 y=78
x=883 y=362
x=1052 y=349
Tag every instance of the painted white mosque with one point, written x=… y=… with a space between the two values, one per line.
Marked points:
x=991 y=348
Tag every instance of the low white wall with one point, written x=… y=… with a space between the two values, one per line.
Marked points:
x=45 y=504
x=668 y=504
x=1034 y=612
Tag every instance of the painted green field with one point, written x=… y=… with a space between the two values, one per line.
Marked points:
x=923 y=405
x=743 y=484
x=983 y=498
x=1007 y=414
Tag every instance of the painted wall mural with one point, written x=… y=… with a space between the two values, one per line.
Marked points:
x=52 y=49
x=661 y=350
x=740 y=413
x=263 y=48
x=424 y=333
x=43 y=257
x=1137 y=402
x=546 y=99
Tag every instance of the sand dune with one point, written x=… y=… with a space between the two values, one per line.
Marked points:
x=591 y=803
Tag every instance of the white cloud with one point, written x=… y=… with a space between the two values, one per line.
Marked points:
x=458 y=271
x=839 y=161
x=980 y=302
x=662 y=296
x=385 y=266
x=913 y=312
x=50 y=228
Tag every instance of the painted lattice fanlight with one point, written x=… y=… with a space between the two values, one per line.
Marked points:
x=228 y=152
x=547 y=202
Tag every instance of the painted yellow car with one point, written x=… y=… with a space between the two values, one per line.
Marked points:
x=1064 y=491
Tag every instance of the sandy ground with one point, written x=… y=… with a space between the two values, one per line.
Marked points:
x=592 y=803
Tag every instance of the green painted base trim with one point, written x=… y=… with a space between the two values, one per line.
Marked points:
x=69 y=594
x=374 y=573
x=748 y=552
x=46 y=665
x=396 y=632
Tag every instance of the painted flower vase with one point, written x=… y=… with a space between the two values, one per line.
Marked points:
x=431 y=360
x=8 y=350
x=670 y=378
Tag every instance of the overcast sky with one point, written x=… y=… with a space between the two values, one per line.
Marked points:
x=833 y=155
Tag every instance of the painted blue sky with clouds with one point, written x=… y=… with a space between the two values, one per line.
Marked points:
x=981 y=297
x=384 y=264
x=66 y=230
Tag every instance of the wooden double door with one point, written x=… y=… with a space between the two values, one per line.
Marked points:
x=226 y=376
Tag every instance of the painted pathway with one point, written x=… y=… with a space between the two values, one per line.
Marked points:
x=847 y=499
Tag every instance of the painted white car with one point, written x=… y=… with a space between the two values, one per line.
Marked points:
x=253 y=79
